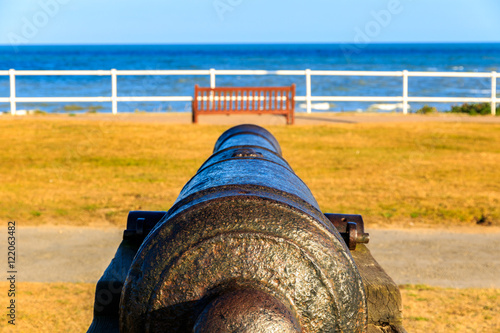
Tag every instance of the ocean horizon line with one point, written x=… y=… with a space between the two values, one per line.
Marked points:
x=259 y=43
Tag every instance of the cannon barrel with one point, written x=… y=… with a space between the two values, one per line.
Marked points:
x=244 y=248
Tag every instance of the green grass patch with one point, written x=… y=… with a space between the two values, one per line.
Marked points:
x=73 y=107
x=35 y=213
x=474 y=109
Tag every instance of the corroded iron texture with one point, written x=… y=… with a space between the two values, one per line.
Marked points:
x=246 y=311
x=351 y=228
x=244 y=244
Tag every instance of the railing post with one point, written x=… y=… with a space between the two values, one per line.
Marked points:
x=308 y=91
x=12 y=76
x=405 y=92
x=114 y=92
x=493 y=93
x=212 y=78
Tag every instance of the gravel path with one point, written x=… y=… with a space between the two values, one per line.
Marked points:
x=436 y=258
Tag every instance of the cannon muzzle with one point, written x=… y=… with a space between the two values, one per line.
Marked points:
x=245 y=248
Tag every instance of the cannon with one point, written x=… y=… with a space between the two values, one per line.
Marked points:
x=244 y=248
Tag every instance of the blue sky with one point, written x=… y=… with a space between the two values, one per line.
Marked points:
x=247 y=21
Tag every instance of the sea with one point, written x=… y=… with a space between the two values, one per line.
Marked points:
x=430 y=57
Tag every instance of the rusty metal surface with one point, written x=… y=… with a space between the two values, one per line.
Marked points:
x=241 y=139
x=265 y=244
x=257 y=131
x=251 y=311
x=351 y=228
x=140 y=223
x=245 y=236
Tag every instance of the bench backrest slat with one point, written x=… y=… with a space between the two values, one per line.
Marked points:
x=227 y=100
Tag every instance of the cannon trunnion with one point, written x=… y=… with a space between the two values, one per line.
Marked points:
x=245 y=248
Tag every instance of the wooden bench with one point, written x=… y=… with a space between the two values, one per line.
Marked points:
x=242 y=100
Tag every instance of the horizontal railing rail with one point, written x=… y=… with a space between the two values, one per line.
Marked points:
x=212 y=73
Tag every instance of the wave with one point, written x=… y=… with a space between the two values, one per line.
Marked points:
x=386 y=107
x=317 y=106
x=480 y=91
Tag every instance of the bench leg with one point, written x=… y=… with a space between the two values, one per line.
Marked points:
x=194 y=117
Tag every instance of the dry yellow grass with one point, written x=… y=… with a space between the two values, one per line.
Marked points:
x=50 y=307
x=429 y=309
x=67 y=307
x=81 y=172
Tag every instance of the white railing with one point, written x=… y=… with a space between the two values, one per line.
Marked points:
x=308 y=98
